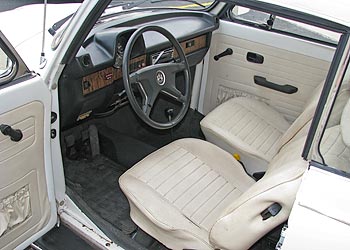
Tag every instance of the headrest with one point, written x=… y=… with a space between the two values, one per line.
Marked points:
x=345 y=124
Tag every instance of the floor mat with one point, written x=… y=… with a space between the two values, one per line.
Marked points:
x=122 y=148
x=126 y=122
x=96 y=182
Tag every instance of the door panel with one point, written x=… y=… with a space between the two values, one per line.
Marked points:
x=286 y=60
x=27 y=202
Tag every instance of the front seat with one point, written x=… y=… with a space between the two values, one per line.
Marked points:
x=192 y=194
x=256 y=131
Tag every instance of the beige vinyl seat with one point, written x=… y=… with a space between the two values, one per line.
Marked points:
x=256 y=131
x=192 y=194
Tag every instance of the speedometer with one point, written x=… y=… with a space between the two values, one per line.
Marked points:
x=120 y=47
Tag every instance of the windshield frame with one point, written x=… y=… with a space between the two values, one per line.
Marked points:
x=58 y=36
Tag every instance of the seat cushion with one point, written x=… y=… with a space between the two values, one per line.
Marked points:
x=177 y=193
x=246 y=126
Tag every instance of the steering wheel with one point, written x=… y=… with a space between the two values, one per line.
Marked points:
x=155 y=79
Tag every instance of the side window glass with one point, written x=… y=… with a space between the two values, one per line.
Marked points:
x=278 y=24
x=249 y=16
x=305 y=30
x=6 y=64
x=8 y=67
x=335 y=144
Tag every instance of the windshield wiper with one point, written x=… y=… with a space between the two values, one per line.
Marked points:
x=57 y=25
x=138 y=3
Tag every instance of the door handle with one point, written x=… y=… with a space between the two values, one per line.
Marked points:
x=255 y=58
x=15 y=134
x=287 y=89
x=227 y=52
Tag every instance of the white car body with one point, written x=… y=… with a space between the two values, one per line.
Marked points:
x=28 y=40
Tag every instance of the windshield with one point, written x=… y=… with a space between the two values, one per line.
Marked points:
x=180 y=4
x=119 y=6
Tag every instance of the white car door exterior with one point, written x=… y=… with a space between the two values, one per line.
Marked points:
x=27 y=201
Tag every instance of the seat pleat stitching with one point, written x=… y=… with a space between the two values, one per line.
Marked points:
x=245 y=123
x=182 y=160
x=325 y=142
x=250 y=126
x=227 y=198
x=194 y=195
x=255 y=132
x=237 y=126
x=232 y=121
x=255 y=144
x=210 y=199
x=273 y=149
x=239 y=122
x=228 y=118
x=176 y=170
x=273 y=141
x=333 y=142
x=218 y=203
x=171 y=158
x=182 y=180
x=193 y=186
x=343 y=151
x=236 y=111
x=198 y=178
x=204 y=201
x=266 y=136
x=156 y=163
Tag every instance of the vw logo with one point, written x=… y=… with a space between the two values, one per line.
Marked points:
x=160 y=76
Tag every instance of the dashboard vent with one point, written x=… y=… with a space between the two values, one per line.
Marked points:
x=86 y=61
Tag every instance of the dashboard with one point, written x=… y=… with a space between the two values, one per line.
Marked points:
x=92 y=82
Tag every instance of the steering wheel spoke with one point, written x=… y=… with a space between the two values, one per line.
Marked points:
x=149 y=96
x=154 y=79
x=177 y=67
x=176 y=94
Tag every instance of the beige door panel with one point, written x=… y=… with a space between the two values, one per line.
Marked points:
x=24 y=204
x=10 y=148
x=233 y=75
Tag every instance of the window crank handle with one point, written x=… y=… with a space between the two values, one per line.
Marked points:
x=227 y=52
x=15 y=134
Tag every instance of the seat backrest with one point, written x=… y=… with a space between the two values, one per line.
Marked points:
x=241 y=225
x=300 y=126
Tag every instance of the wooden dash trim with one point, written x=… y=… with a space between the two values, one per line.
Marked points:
x=105 y=77
x=199 y=42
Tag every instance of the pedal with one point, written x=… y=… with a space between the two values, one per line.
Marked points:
x=70 y=149
x=94 y=141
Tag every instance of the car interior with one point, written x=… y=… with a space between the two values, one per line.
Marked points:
x=183 y=129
